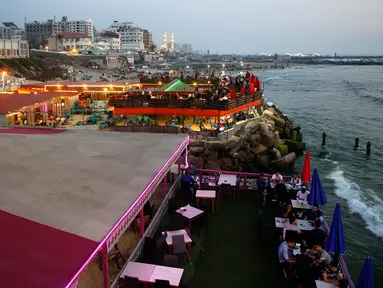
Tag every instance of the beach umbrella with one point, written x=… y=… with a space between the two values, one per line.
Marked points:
x=242 y=90
x=317 y=195
x=365 y=277
x=335 y=242
x=306 y=170
x=252 y=88
x=233 y=94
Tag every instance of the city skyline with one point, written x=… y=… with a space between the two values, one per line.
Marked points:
x=346 y=27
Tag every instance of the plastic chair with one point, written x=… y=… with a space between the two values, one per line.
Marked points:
x=179 y=246
x=131 y=282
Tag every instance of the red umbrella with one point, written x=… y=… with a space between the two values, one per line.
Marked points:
x=247 y=74
x=242 y=90
x=252 y=78
x=196 y=74
x=182 y=74
x=306 y=171
x=212 y=74
x=252 y=88
x=233 y=94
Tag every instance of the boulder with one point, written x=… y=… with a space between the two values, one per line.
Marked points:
x=280 y=122
x=259 y=150
x=270 y=139
x=254 y=139
x=237 y=146
x=232 y=142
x=295 y=146
x=196 y=151
x=242 y=156
x=276 y=154
x=286 y=160
x=215 y=145
x=283 y=149
x=210 y=165
x=210 y=155
x=226 y=163
x=196 y=161
x=196 y=143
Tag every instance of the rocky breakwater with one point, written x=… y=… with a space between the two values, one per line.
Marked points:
x=264 y=144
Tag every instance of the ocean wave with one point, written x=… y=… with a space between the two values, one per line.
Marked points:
x=271 y=78
x=365 y=203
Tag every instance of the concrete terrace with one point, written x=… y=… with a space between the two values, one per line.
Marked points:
x=81 y=183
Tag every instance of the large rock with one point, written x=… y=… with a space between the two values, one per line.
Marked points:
x=270 y=139
x=196 y=151
x=210 y=165
x=276 y=154
x=280 y=122
x=215 y=145
x=226 y=163
x=242 y=156
x=295 y=146
x=286 y=160
x=196 y=143
x=259 y=150
x=255 y=139
x=237 y=146
x=232 y=142
x=210 y=155
x=252 y=127
x=196 y=161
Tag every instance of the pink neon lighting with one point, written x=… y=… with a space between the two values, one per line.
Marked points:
x=186 y=157
x=155 y=178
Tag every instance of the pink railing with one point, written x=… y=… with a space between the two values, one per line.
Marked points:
x=245 y=175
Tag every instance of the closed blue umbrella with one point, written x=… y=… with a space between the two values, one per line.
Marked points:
x=365 y=278
x=317 y=195
x=335 y=242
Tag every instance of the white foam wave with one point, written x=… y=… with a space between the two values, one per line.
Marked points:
x=366 y=203
x=272 y=78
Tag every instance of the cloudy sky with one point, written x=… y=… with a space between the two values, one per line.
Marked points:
x=241 y=26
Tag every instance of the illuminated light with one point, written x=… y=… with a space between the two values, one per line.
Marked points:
x=4 y=73
x=160 y=83
x=155 y=179
x=106 y=89
x=208 y=82
x=194 y=83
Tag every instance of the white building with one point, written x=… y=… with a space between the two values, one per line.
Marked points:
x=81 y=26
x=13 y=49
x=113 y=39
x=69 y=41
x=132 y=37
x=101 y=45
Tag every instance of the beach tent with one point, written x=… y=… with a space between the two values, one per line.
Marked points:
x=177 y=86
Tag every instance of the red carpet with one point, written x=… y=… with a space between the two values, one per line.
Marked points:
x=30 y=131
x=37 y=256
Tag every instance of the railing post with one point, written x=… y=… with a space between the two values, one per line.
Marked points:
x=179 y=165
x=165 y=185
x=142 y=223
x=105 y=268
x=245 y=179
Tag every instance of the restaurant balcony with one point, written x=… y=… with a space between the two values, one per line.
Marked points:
x=154 y=106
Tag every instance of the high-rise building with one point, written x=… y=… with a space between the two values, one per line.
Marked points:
x=148 y=39
x=187 y=48
x=40 y=31
x=165 y=44
x=132 y=37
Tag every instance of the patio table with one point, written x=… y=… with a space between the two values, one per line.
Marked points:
x=206 y=194
x=304 y=205
x=190 y=213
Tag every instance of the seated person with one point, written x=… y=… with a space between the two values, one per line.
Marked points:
x=288 y=211
x=316 y=236
x=302 y=195
x=282 y=194
x=275 y=179
x=192 y=170
x=332 y=274
x=187 y=178
x=303 y=266
x=261 y=183
x=322 y=259
x=202 y=127
x=295 y=180
x=314 y=213
x=285 y=259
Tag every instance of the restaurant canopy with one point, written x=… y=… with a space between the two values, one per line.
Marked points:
x=64 y=196
x=176 y=86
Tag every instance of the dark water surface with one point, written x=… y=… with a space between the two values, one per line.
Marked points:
x=345 y=102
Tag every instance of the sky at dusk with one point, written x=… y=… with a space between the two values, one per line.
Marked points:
x=241 y=26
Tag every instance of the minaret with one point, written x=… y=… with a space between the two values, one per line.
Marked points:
x=165 y=45
x=172 y=49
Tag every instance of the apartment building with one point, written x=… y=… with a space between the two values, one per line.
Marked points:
x=132 y=37
x=13 y=49
x=113 y=39
x=9 y=30
x=69 y=41
x=148 y=39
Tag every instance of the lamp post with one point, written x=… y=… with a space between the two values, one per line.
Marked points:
x=3 y=79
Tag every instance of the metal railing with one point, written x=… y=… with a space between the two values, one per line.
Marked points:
x=147 y=129
x=151 y=230
x=141 y=102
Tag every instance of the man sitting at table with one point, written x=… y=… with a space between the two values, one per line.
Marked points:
x=323 y=259
x=192 y=170
x=284 y=259
x=303 y=268
x=187 y=177
x=316 y=236
x=332 y=274
x=314 y=213
x=275 y=179
x=295 y=180
x=261 y=183
x=302 y=195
